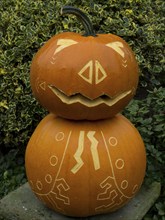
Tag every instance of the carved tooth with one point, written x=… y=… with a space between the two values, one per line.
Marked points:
x=78 y=98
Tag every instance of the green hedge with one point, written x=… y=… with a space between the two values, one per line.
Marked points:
x=26 y=25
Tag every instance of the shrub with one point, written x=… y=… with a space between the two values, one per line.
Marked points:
x=148 y=115
x=12 y=172
x=26 y=25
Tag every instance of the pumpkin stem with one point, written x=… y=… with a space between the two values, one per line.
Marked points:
x=89 y=31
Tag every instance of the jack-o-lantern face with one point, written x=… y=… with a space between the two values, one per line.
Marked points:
x=84 y=77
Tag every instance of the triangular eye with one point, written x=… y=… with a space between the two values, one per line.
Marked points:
x=64 y=43
x=117 y=45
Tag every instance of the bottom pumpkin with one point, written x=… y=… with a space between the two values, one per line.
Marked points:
x=83 y=168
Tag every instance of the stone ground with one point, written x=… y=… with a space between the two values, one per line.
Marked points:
x=21 y=204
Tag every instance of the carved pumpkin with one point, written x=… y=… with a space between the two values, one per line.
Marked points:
x=85 y=168
x=84 y=77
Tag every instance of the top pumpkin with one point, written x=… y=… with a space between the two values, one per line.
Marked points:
x=84 y=77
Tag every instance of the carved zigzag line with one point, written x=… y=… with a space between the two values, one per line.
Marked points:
x=78 y=153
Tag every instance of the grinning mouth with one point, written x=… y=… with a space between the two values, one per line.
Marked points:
x=79 y=98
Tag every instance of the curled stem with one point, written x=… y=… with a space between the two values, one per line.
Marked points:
x=87 y=24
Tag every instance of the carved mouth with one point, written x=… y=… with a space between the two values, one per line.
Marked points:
x=79 y=98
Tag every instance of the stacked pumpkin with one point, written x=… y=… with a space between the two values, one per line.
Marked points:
x=84 y=158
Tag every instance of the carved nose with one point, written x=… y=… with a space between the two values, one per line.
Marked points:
x=93 y=72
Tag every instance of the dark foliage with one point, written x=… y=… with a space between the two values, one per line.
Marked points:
x=26 y=25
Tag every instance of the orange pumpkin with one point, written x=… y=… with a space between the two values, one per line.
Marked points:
x=84 y=77
x=85 y=168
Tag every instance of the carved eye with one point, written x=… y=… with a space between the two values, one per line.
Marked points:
x=64 y=43
x=117 y=46
x=61 y=45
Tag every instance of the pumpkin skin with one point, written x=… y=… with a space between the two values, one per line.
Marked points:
x=79 y=77
x=83 y=168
